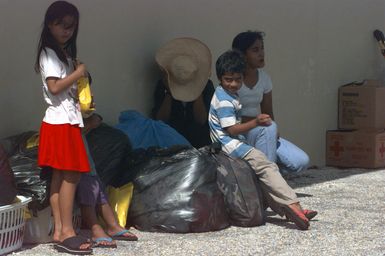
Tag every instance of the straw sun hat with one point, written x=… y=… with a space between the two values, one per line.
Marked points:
x=187 y=63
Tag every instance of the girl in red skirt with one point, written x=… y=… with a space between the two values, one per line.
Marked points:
x=61 y=147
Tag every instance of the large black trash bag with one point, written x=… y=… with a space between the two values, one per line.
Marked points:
x=28 y=178
x=109 y=148
x=240 y=187
x=178 y=194
x=17 y=143
x=23 y=161
x=140 y=156
x=7 y=180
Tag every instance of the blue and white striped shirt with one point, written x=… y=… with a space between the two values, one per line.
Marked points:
x=225 y=112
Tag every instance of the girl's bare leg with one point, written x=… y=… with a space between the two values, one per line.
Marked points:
x=66 y=202
x=113 y=226
x=109 y=218
x=90 y=218
x=54 y=201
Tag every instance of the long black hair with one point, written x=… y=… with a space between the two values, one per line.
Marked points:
x=56 y=12
x=245 y=40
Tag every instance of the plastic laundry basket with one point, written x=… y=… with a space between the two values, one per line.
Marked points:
x=12 y=221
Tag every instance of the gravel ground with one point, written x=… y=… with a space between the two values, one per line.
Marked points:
x=351 y=221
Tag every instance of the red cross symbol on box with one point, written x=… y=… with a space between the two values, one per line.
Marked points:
x=336 y=148
x=382 y=149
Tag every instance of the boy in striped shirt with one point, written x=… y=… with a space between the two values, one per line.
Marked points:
x=226 y=129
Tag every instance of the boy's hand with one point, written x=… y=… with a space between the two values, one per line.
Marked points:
x=263 y=120
x=91 y=122
x=93 y=105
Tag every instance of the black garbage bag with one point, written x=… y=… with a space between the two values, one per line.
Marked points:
x=17 y=143
x=28 y=178
x=240 y=187
x=109 y=148
x=23 y=161
x=178 y=194
x=140 y=156
x=7 y=180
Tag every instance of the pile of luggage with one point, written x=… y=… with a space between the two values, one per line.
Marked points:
x=177 y=189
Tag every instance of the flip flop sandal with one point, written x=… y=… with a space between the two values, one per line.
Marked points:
x=97 y=243
x=72 y=245
x=297 y=217
x=309 y=214
x=120 y=236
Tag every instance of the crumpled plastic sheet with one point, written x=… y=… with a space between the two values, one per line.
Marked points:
x=23 y=162
x=178 y=193
x=241 y=189
x=28 y=179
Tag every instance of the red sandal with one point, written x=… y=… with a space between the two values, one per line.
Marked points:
x=309 y=214
x=296 y=216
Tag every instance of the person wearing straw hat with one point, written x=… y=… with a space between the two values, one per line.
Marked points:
x=182 y=97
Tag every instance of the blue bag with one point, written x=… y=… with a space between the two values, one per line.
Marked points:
x=145 y=132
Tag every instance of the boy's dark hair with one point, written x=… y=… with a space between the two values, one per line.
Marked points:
x=55 y=14
x=231 y=61
x=245 y=40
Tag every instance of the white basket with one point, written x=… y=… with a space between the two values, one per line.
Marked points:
x=12 y=221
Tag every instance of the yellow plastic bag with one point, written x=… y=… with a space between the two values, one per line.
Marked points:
x=85 y=96
x=33 y=141
x=120 y=199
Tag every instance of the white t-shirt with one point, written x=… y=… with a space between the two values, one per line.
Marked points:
x=251 y=98
x=63 y=108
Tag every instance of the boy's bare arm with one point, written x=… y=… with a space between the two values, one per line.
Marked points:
x=241 y=127
x=262 y=120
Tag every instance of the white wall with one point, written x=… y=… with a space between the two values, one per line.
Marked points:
x=312 y=47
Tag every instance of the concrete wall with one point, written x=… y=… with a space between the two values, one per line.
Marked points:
x=312 y=47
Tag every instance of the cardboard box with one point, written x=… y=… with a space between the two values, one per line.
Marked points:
x=362 y=105
x=358 y=148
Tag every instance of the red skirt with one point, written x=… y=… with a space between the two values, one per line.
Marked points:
x=61 y=147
